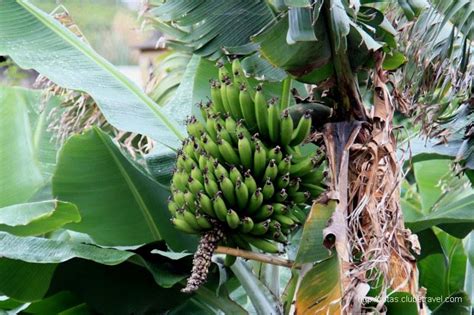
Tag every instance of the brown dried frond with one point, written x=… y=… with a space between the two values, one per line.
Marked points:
x=78 y=111
x=371 y=239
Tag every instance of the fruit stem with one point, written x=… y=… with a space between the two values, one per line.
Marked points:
x=269 y=259
x=285 y=93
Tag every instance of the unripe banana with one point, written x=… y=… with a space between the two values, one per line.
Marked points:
x=302 y=130
x=271 y=170
x=274 y=226
x=227 y=152
x=194 y=127
x=279 y=208
x=229 y=260
x=190 y=219
x=210 y=186
x=197 y=174
x=225 y=102
x=189 y=199
x=283 y=181
x=280 y=238
x=286 y=128
x=178 y=198
x=284 y=220
x=300 y=197
x=211 y=127
x=246 y=225
x=275 y=154
x=261 y=113
x=298 y=213
x=242 y=194
x=294 y=185
x=268 y=189
x=232 y=219
x=255 y=201
x=220 y=171
x=260 y=228
x=241 y=129
x=227 y=188
x=231 y=127
x=205 y=204
x=203 y=159
x=223 y=133
x=249 y=181
x=315 y=177
x=263 y=213
x=234 y=175
x=216 y=97
x=247 y=107
x=259 y=161
x=264 y=245
x=189 y=164
x=281 y=196
x=183 y=226
x=172 y=207
x=303 y=167
x=210 y=146
x=194 y=185
x=220 y=208
x=245 y=151
x=233 y=99
x=315 y=190
x=273 y=122
x=223 y=73
x=240 y=242
x=180 y=180
x=204 y=109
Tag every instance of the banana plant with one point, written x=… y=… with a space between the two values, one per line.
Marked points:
x=320 y=82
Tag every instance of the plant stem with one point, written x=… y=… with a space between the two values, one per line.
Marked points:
x=285 y=93
x=277 y=261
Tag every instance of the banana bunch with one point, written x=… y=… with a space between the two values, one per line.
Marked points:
x=241 y=169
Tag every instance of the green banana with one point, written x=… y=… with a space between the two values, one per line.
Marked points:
x=284 y=220
x=233 y=99
x=299 y=214
x=189 y=199
x=284 y=165
x=247 y=107
x=249 y=181
x=220 y=209
x=194 y=185
x=281 y=196
x=194 y=127
x=231 y=127
x=279 y=208
x=242 y=194
x=203 y=222
x=259 y=161
x=172 y=207
x=190 y=219
x=283 y=181
x=225 y=101
x=205 y=204
x=180 y=180
x=241 y=129
x=229 y=260
x=210 y=186
x=220 y=170
x=261 y=113
x=274 y=226
x=246 y=225
x=178 y=198
x=227 y=152
x=227 y=188
x=302 y=130
x=268 y=189
x=300 y=197
x=223 y=133
x=234 y=174
x=304 y=167
x=210 y=146
x=183 y=226
x=216 y=97
x=241 y=243
x=263 y=213
x=271 y=171
x=245 y=151
x=255 y=201
x=286 y=128
x=232 y=219
x=273 y=122
x=294 y=185
x=264 y=245
x=260 y=228
x=197 y=174
x=223 y=73
x=275 y=154
x=202 y=162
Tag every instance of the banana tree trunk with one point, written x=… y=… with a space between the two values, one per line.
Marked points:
x=367 y=229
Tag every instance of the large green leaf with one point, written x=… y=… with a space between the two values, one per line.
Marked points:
x=45 y=251
x=27 y=219
x=320 y=289
x=36 y=40
x=311 y=247
x=208 y=26
x=27 y=156
x=25 y=281
x=118 y=202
